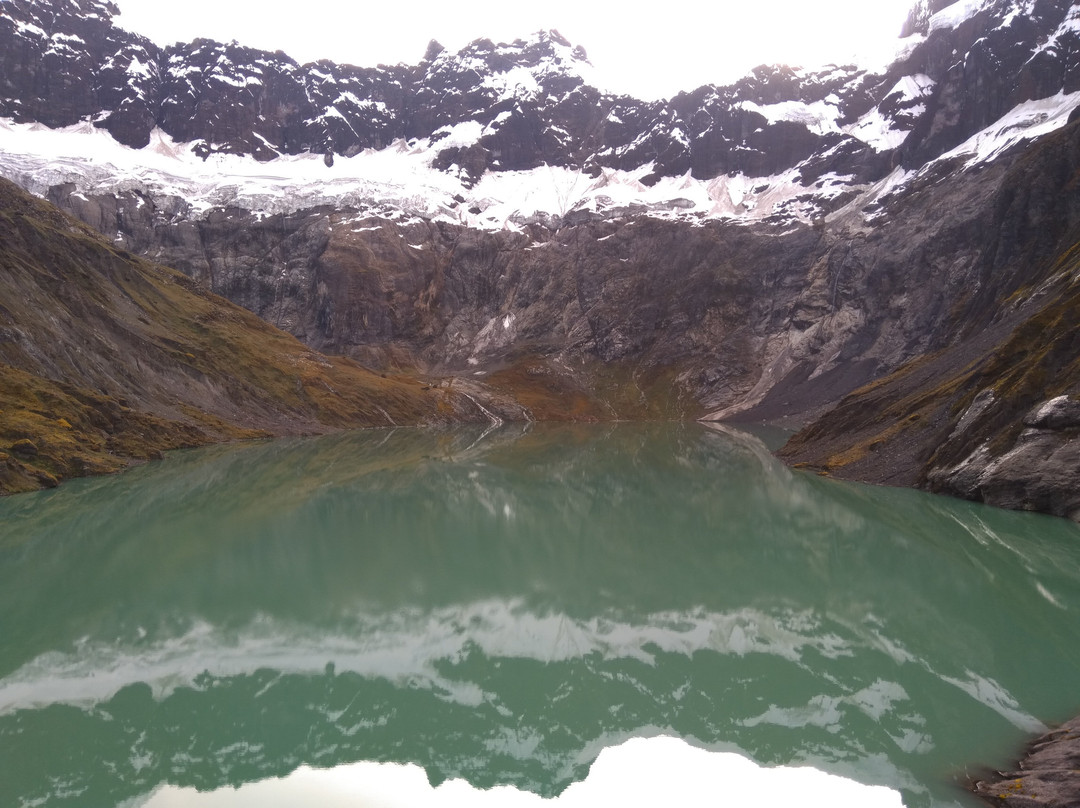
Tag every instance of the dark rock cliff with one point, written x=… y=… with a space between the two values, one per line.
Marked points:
x=1048 y=774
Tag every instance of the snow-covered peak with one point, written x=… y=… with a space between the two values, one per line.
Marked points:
x=403 y=180
x=47 y=18
x=917 y=18
x=927 y=16
x=781 y=140
x=542 y=48
x=522 y=67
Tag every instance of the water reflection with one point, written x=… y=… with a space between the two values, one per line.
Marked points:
x=500 y=609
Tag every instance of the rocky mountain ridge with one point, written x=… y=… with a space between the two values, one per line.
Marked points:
x=529 y=103
x=501 y=135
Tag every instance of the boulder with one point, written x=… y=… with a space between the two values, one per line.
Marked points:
x=1048 y=775
x=1057 y=413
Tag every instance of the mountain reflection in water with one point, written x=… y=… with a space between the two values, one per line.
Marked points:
x=499 y=607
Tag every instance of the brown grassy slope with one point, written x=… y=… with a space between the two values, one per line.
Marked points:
x=105 y=357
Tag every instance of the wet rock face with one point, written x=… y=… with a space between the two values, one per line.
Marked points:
x=1041 y=472
x=648 y=292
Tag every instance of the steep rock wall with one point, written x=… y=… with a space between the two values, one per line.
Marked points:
x=755 y=321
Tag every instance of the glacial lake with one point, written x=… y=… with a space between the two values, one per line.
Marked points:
x=482 y=614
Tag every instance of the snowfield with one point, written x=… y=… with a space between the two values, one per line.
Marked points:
x=398 y=182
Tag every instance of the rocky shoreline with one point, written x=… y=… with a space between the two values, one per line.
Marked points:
x=1047 y=775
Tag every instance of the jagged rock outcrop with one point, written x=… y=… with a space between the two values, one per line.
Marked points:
x=62 y=62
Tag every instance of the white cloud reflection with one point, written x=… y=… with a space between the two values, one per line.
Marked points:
x=643 y=772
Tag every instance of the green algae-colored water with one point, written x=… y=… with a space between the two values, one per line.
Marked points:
x=499 y=607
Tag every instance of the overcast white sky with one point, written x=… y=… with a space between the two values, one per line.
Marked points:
x=649 y=50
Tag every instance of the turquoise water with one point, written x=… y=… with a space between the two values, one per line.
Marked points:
x=501 y=606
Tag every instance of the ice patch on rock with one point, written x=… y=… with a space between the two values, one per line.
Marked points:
x=953 y=15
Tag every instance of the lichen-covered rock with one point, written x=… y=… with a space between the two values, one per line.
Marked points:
x=1061 y=412
x=1048 y=775
x=1041 y=472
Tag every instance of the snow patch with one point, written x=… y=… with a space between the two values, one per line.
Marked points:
x=819 y=117
x=911 y=88
x=236 y=81
x=1026 y=121
x=518 y=82
x=877 y=132
x=68 y=38
x=460 y=135
x=137 y=68
x=30 y=28
x=952 y=16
